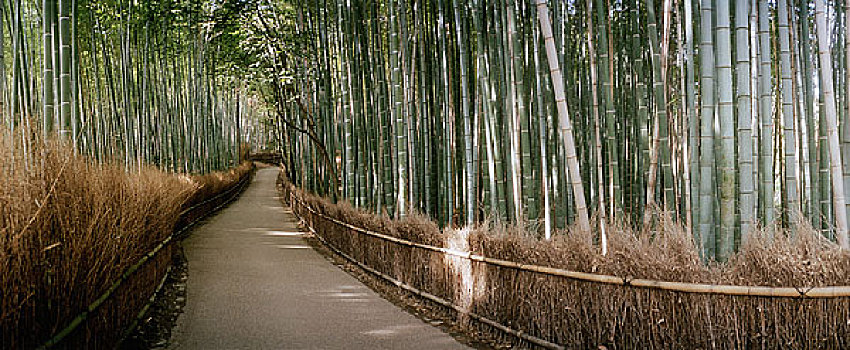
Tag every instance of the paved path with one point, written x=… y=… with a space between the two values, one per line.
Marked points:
x=254 y=283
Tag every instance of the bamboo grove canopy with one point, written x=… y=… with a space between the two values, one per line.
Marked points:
x=157 y=82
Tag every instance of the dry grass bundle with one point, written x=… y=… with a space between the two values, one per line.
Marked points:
x=209 y=190
x=668 y=253
x=209 y=185
x=581 y=314
x=805 y=258
x=69 y=228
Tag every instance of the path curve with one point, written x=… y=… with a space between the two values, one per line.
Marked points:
x=254 y=283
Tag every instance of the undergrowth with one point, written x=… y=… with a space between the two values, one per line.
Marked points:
x=69 y=227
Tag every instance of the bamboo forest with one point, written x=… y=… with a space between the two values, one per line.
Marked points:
x=424 y=174
x=728 y=117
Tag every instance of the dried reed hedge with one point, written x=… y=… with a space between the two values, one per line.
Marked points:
x=581 y=314
x=69 y=228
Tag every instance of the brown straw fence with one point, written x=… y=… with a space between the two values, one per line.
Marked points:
x=553 y=307
x=134 y=291
x=99 y=320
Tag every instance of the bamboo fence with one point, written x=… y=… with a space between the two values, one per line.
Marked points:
x=741 y=316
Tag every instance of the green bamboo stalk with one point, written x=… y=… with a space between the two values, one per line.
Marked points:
x=485 y=96
x=606 y=77
x=726 y=159
x=693 y=118
x=792 y=200
x=766 y=207
x=400 y=158
x=660 y=139
x=602 y=208
x=467 y=122
x=808 y=89
x=744 y=98
x=847 y=93
x=47 y=75
x=543 y=129
x=707 y=74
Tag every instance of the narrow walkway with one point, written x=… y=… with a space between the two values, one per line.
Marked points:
x=254 y=283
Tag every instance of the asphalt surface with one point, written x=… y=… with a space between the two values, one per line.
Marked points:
x=254 y=283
